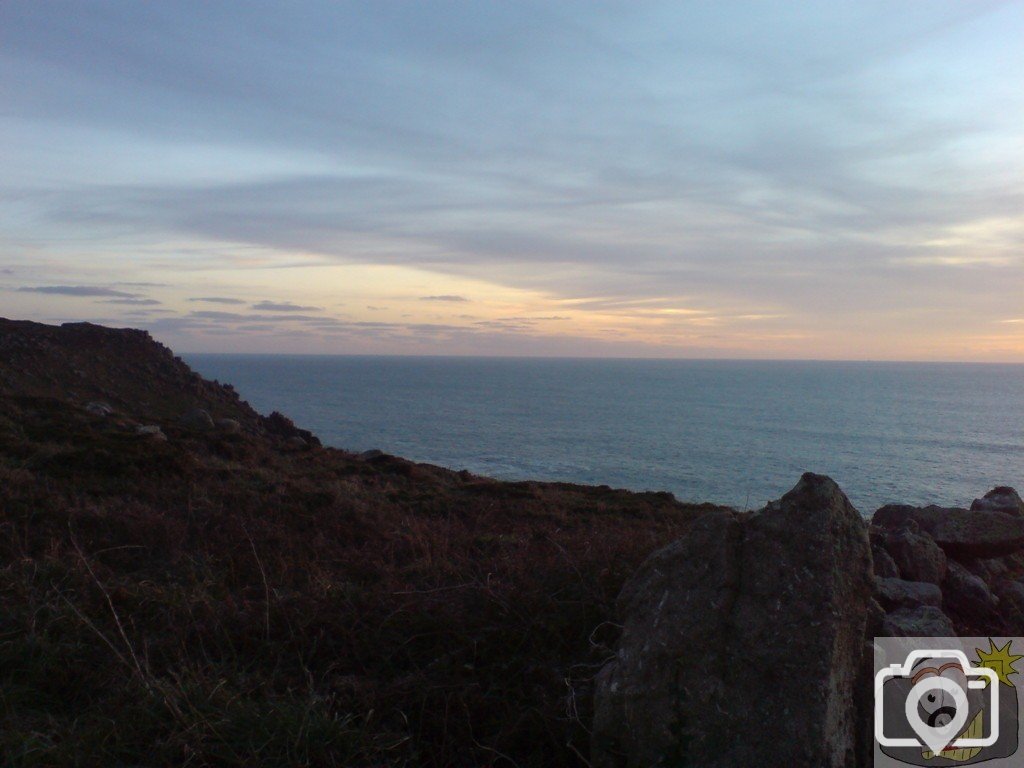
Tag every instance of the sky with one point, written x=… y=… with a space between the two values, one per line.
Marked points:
x=823 y=180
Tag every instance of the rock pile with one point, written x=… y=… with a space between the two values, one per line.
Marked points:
x=951 y=571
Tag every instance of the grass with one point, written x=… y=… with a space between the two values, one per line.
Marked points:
x=217 y=601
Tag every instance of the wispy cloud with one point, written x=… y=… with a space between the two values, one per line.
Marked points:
x=77 y=290
x=444 y=297
x=139 y=302
x=282 y=306
x=217 y=300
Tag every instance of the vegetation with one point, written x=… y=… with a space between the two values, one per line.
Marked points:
x=230 y=599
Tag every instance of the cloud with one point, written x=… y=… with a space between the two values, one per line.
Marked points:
x=445 y=297
x=282 y=306
x=140 y=302
x=77 y=290
x=217 y=300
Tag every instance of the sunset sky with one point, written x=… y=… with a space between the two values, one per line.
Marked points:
x=829 y=179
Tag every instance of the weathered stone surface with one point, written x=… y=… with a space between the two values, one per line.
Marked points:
x=1000 y=499
x=899 y=593
x=784 y=591
x=916 y=555
x=922 y=621
x=197 y=419
x=965 y=595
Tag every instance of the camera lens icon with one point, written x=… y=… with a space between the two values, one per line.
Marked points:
x=937 y=710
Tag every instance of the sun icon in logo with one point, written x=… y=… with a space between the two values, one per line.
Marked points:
x=999 y=660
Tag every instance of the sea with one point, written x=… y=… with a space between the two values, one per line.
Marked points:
x=732 y=432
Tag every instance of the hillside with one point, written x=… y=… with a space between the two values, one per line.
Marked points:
x=177 y=590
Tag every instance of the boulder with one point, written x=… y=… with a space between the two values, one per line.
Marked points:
x=965 y=595
x=228 y=426
x=296 y=443
x=97 y=408
x=197 y=419
x=961 y=533
x=916 y=555
x=152 y=431
x=1000 y=499
x=899 y=593
x=371 y=454
x=979 y=534
x=922 y=621
x=749 y=619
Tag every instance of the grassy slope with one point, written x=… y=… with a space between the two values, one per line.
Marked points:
x=222 y=600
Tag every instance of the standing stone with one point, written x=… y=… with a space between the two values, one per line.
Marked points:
x=742 y=642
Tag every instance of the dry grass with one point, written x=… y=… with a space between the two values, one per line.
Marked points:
x=217 y=601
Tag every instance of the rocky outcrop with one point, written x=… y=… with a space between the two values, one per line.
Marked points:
x=748 y=613
x=122 y=374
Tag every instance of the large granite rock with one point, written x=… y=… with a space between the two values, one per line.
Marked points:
x=742 y=642
x=1000 y=499
x=962 y=533
x=917 y=556
x=979 y=534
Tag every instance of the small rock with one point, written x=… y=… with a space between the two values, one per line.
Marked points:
x=97 y=408
x=152 y=431
x=922 y=621
x=917 y=557
x=296 y=444
x=898 y=593
x=884 y=565
x=966 y=595
x=1000 y=499
x=229 y=426
x=373 y=453
x=197 y=419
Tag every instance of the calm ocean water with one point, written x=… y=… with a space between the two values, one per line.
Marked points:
x=737 y=433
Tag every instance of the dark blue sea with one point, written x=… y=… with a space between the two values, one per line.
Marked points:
x=737 y=433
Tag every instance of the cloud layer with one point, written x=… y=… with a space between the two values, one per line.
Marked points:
x=817 y=179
